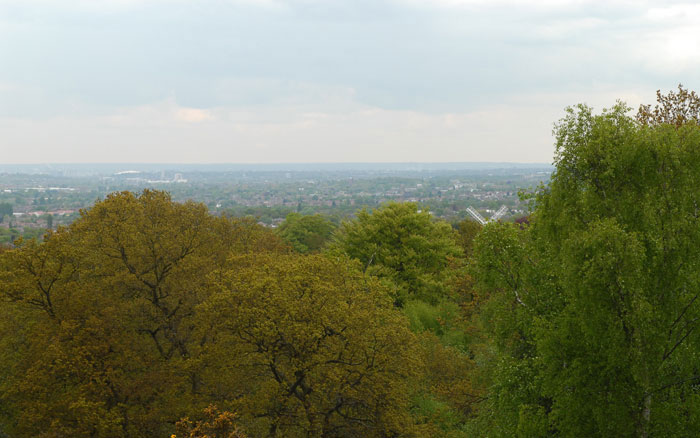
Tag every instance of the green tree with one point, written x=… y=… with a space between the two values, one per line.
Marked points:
x=8 y=235
x=100 y=317
x=310 y=348
x=306 y=233
x=467 y=231
x=5 y=210
x=420 y=261
x=403 y=246
x=593 y=309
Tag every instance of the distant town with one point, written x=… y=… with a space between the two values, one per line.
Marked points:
x=34 y=198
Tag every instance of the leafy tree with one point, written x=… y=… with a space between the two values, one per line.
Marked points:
x=467 y=231
x=448 y=393
x=5 y=210
x=403 y=246
x=677 y=109
x=311 y=348
x=215 y=425
x=502 y=260
x=100 y=317
x=306 y=233
x=8 y=235
x=420 y=261
x=593 y=307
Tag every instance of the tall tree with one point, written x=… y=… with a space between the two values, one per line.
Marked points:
x=312 y=348
x=100 y=317
x=420 y=261
x=5 y=210
x=403 y=246
x=466 y=232
x=306 y=233
x=594 y=307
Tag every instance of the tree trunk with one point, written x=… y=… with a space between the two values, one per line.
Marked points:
x=646 y=414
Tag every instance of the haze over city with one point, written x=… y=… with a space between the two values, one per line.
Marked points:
x=267 y=81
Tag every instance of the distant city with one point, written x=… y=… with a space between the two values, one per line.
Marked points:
x=35 y=197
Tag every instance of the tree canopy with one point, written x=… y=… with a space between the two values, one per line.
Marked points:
x=404 y=246
x=145 y=311
x=306 y=233
x=97 y=320
x=593 y=308
x=313 y=347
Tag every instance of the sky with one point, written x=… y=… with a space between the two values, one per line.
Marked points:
x=274 y=81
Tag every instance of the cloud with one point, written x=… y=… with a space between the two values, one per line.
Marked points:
x=192 y=115
x=308 y=80
x=426 y=57
x=166 y=132
x=673 y=44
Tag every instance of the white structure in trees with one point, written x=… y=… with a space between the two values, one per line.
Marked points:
x=479 y=218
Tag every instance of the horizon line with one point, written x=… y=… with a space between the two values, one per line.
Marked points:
x=165 y=163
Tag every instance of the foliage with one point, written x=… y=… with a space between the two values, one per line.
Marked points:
x=312 y=348
x=678 y=109
x=467 y=231
x=443 y=320
x=215 y=425
x=581 y=321
x=8 y=235
x=423 y=265
x=100 y=317
x=592 y=309
x=403 y=246
x=5 y=210
x=306 y=233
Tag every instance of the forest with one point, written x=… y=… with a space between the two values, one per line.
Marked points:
x=147 y=317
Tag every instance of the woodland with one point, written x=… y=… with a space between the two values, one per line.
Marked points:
x=152 y=318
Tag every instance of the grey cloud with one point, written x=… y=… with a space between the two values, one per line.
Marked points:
x=395 y=56
x=333 y=56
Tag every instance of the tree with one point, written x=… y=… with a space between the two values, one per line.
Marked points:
x=215 y=425
x=306 y=234
x=502 y=259
x=404 y=247
x=5 y=210
x=307 y=346
x=595 y=303
x=467 y=231
x=100 y=317
x=677 y=109
x=421 y=263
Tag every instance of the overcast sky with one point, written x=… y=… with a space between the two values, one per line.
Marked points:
x=261 y=81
